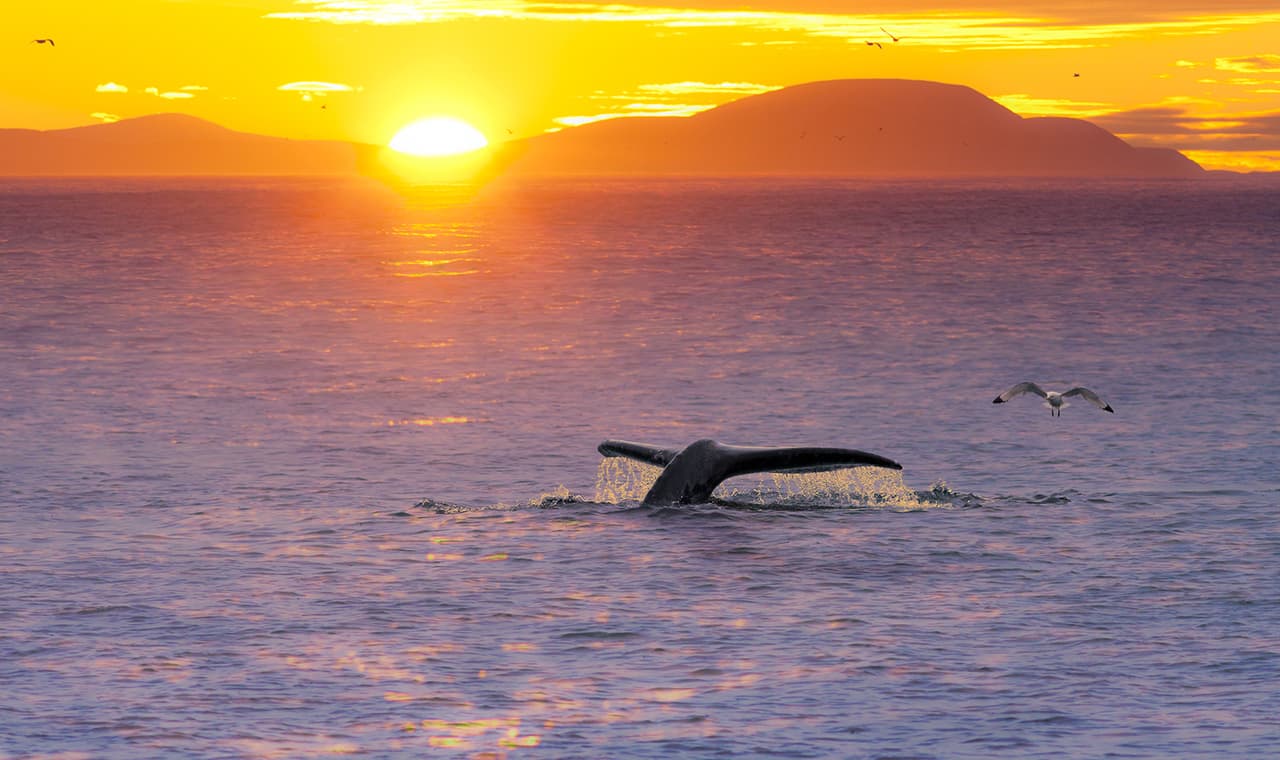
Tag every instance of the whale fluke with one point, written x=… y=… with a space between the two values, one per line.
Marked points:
x=691 y=474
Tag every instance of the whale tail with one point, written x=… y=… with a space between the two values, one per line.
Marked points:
x=641 y=452
x=691 y=474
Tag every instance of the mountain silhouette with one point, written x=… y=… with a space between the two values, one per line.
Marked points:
x=852 y=127
x=847 y=127
x=166 y=144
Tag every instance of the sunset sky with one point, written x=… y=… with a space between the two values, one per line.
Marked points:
x=1199 y=76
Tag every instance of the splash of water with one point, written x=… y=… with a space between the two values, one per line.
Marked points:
x=621 y=480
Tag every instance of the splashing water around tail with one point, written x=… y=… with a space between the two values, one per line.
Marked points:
x=621 y=480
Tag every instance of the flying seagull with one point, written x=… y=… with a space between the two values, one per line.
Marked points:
x=886 y=31
x=1056 y=400
x=43 y=41
x=877 y=44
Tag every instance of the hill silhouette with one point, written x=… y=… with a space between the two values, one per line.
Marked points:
x=852 y=127
x=166 y=144
x=847 y=127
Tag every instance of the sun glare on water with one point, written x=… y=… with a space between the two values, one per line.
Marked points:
x=438 y=136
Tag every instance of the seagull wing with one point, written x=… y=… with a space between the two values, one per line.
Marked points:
x=1091 y=397
x=1018 y=390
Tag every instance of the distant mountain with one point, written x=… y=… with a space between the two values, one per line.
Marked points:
x=166 y=144
x=851 y=127
x=847 y=127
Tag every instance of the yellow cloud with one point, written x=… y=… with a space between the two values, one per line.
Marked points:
x=111 y=87
x=1253 y=64
x=577 y=121
x=1026 y=105
x=660 y=99
x=665 y=109
x=728 y=88
x=981 y=30
x=105 y=118
x=315 y=87
x=312 y=90
x=1257 y=161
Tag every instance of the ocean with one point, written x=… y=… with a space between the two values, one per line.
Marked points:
x=299 y=468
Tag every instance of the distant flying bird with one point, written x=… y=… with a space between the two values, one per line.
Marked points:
x=1056 y=400
x=839 y=138
x=1075 y=75
x=43 y=41
x=886 y=31
x=877 y=44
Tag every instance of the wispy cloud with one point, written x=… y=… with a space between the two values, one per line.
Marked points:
x=700 y=88
x=312 y=90
x=1176 y=125
x=193 y=88
x=105 y=118
x=1026 y=105
x=168 y=95
x=631 y=110
x=315 y=87
x=111 y=87
x=1017 y=28
x=664 y=99
x=1253 y=64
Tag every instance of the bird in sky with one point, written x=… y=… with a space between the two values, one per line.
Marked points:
x=1055 y=399
x=877 y=44
x=886 y=31
x=48 y=40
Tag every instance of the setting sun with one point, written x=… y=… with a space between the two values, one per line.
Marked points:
x=438 y=136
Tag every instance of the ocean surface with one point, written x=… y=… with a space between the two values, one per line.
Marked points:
x=291 y=469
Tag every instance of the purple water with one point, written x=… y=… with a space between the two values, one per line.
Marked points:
x=290 y=469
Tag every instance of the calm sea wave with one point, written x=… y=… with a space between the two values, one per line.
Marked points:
x=290 y=469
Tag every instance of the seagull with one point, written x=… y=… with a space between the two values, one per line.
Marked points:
x=877 y=44
x=43 y=41
x=886 y=31
x=1056 y=400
